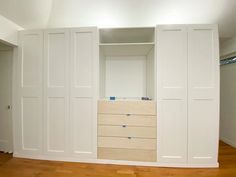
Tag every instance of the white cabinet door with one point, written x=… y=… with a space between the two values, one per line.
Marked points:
x=203 y=94
x=83 y=91
x=56 y=91
x=172 y=93
x=28 y=120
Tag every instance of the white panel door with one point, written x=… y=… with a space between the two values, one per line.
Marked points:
x=56 y=91
x=172 y=93
x=203 y=94
x=84 y=91
x=6 y=137
x=28 y=135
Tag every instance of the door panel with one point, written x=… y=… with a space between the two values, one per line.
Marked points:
x=6 y=137
x=56 y=91
x=203 y=84
x=84 y=91
x=83 y=59
x=56 y=129
x=83 y=126
x=31 y=118
x=29 y=90
x=31 y=60
x=172 y=93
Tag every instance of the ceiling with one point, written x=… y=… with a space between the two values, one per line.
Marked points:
x=117 y=13
x=27 y=13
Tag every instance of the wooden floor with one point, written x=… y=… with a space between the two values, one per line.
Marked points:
x=16 y=167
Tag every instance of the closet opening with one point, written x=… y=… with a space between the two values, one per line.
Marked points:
x=127 y=126
x=127 y=63
x=6 y=69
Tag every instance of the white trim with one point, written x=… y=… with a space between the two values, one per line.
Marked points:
x=228 y=141
x=126 y=44
x=8 y=31
x=116 y=162
x=14 y=98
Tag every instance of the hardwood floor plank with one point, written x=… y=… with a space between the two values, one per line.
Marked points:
x=17 y=167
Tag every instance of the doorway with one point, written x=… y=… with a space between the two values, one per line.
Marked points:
x=6 y=69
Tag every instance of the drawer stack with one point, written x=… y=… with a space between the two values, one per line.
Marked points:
x=127 y=130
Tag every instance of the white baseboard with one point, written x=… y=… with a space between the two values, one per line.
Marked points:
x=117 y=162
x=228 y=141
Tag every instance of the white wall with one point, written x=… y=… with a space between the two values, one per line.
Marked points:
x=228 y=95
x=102 y=13
x=151 y=83
x=132 y=12
x=8 y=31
x=228 y=104
x=102 y=72
x=118 y=13
x=228 y=47
x=131 y=82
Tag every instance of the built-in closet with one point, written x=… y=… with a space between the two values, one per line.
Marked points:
x=137 y=95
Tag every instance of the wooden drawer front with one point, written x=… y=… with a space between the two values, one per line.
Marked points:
x=133 y=143
x=134 y=120
x=127 y=107
x=127 y=154
x=126 y=131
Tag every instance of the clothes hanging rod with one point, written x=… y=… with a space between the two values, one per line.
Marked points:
x=228 y=60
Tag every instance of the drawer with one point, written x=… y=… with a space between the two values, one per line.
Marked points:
x=127 y=107
x=127 y=131
x=127 y=154
x=133 y=143
x=134 y=120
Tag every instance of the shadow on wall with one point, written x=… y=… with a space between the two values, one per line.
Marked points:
x=227 y=93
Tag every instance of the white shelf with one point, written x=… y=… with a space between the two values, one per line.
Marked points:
x=126 y=44
x=124 y=99
x=126 y=49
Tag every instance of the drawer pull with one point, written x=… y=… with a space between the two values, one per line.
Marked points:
x=128 y=114
x=124 y=126
x=129 y=137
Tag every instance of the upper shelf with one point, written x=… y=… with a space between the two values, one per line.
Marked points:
x=126 y=44
x=127 y=35
x=126 y=49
